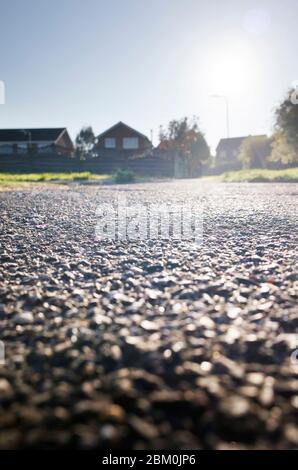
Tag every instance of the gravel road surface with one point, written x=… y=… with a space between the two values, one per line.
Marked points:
x=155 y=344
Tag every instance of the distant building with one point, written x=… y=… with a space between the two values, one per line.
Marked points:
x=121 y=138
x=227 y=152
x=35 y=141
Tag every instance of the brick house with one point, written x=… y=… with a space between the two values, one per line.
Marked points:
x=42 y=141
x=121 y=139
x=227 y=152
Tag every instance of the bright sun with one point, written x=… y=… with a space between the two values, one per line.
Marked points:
x=231 y=71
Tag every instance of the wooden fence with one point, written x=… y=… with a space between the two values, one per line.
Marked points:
x=150 y=166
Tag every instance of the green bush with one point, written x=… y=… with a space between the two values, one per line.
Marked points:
x=124 y=176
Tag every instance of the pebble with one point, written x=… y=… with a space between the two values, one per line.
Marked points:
x=234 y=406
x=24 y=318
x=6 y=390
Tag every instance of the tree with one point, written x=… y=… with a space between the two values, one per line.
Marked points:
x=282 y=151
x=255 y=151
x=85 y=141
x=184 y=138
x=285 y=143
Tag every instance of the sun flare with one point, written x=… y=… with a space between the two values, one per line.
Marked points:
x=231 y=71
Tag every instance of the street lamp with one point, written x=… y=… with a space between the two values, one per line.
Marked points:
x=227 y=111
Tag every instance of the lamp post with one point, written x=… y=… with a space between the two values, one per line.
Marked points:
x=227 y=111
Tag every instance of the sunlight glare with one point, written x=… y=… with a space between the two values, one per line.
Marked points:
x=231 y=71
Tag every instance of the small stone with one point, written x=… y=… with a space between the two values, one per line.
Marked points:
x=24 y=318
x=255 y=378
x=149 y=325
x=235 y=406
x=143 y=427
x=291 y=433
x=6 y=390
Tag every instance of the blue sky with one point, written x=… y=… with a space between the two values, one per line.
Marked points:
x=73 y=63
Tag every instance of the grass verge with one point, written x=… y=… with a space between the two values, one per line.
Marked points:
x=289 y=175
x=6 y=178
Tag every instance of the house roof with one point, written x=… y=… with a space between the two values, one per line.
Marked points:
x=22 y=135
x=232 y=143
x=120 y=123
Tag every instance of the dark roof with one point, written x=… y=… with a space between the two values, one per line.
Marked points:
x=122 y=124
x=233 y=143
x=21 y=135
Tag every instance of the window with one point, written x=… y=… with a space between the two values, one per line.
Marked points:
x=110 y=143
x=131 y=143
